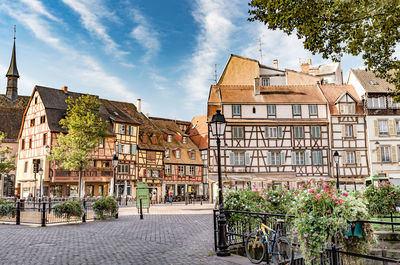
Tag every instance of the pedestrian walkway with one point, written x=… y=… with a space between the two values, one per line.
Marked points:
x=160 y=209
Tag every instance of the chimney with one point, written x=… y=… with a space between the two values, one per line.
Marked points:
x=276 y=63
x=305 y=67
x=139 y=105
x=64 y=88
x=147 y=115
x=256 y=86
x=309 y=61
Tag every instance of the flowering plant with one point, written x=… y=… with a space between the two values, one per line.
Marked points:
x=382 y=199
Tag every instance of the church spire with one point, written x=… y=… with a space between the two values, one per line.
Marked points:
x=12 y=76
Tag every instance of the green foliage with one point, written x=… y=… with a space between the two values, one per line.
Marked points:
x=335 y=27
x=68 y=209
x=382 y=199
x=105 y=206
x=8 y=163
x=85 y=127
x=6 y=208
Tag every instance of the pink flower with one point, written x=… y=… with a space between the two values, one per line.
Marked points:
x=305 y=251
x=318 y=196
x=266 y=211
x=306 y=235
x=334 y=197
x=269 y=198
x=314 y=257
x=245 y=217
x=305 y=240
x=340 y=201
x=345 y=194
x=329 y=211
x=311 y=191
x=310 y=242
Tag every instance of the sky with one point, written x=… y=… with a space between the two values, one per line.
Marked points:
x=163 y=52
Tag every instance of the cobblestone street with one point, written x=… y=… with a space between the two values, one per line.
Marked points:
x=161 y=238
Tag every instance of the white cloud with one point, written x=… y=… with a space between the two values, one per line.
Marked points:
x=38 y=7
x=216 y=27
x=145 y=36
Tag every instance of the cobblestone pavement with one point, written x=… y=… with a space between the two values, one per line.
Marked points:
x=158 y=239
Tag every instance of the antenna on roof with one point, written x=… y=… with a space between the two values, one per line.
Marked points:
x=15 y=31
x=260 y=49
x=215 y=79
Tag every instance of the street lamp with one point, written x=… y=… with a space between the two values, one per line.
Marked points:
x=47 y=149
x=114 y=164
x=336 y=159
x=41 y=183
x=218 y=125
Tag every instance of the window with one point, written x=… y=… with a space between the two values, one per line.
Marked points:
x=23 y=144
x=44 y=139
x=2 y=158
x=347 y=108
x=191 y=171
x=169 y=138
x=121 y=129
x=272 y=132
x=313 y=110
x=193 y=155
x=123 y=169
x=236 y=110
x=101 y=190
x=30 y=143
x=133 y=149
x=101 y=143
x=181 y=170
x=238 y=158
x=298 y=132
x=237 y=132
x=350 y=158
x=184 y=140
x=178 y=154
x=26 y=167
x=131 y=130
x=376 y=103
x=398 y=127
x=271 y=110
x=42 y=119
x=317 y=157
x=151 y=155
x=348 y=131
x=124 y=148
x=385 y=153
x=36 y=100
x=155 y=173
x=167 y=153
x=315 y=131
x=275 y=159
x=168 y=170
x=296 y=110
x=298 y=158
x=32 y=122
x=383 y=128
x=265 y=81
x=254 y=110
x=392 y=104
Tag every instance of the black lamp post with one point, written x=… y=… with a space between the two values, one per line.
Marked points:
x=41 y=183
x=218 y=124
x=114 y=164
x=336 y=159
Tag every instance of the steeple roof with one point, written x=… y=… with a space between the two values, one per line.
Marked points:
x=12 y=70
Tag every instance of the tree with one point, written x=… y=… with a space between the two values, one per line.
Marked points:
x=335 y=27
x=85 y=128
x=7 y=161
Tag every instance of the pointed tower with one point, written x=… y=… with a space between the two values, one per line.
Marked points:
x=12 y=76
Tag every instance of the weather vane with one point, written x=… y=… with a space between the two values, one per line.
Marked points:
x=15 y=30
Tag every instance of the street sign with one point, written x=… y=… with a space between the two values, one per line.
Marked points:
x=142 y=192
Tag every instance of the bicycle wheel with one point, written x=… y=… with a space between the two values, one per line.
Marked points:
x=282 y=252
x=255 y=249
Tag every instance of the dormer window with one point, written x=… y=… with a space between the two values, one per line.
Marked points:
x=178 y=154
x=184 y=140
x=347 y=108
x=32 y=122
x=296 y=110
x=313 y=110
x=265 y=81
x=167 y=153
x=192 y=155
x=36 y=100
x=121 y=129
x=236 y=110
x=169 y=138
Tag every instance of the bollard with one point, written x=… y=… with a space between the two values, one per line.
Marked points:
x=126 y=200
x=141 y=209
x=44 y=215
x=49 y=205
x=18 y=214
x=84 y=211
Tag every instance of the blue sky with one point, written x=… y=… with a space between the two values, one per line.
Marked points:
x=161 y=51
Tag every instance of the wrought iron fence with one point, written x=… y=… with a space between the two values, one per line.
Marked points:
x=242 y=223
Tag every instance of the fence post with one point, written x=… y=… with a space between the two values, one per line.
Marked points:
x=84 y=211
x=39 y=206
x=391 y=220
x=334 y=255
x=126 y=200
x=43 y=214
x=49 y=204
x=215 y=230
x=18 y=214
x=141 y=209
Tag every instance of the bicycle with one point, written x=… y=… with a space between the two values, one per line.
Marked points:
x=266 y=239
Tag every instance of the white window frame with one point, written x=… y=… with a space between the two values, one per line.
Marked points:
x=181 y=170
x=178 y=154
x=300 y=158
x=121 y=129
x=398 y=127
x=167 y=153
x=347 y=108
x=237 y=132
x=297 y=131
x=385 y=154
x=193 y=155
x=169 y=138
x=350 y=157
x=348 y=130
x=271 y=109
x=101 y=143
x=313 y=109
x=383 y=128
x=184 y=140
x=315 y=131
x=191 y=170
x=239 y=158
x=265 y=81
x=275 y=158
x=123 y=169
x=296 y=110
x=168 y=169
x=236 y=110
x=317 y=157
x=272 y=132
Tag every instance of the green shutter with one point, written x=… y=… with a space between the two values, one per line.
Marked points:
x=268 y=158
x=133 y=149
x=247 y=159
x=283 y=158
x=293 y=158
x=280 y=130
x=307 y=157
x=266 y=131
x=119 y=148
x=231 y=159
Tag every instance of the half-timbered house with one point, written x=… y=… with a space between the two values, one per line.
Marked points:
x=182 y=161
x=383 y=123
x=347 y=135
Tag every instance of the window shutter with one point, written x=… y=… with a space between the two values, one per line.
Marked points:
x=376 y=128
x=283 y=158
x=268 y=158
x=247 y=159
x=133 y=149
x=392 y=130
x=293 y=158
x=266 y=131
x=280 y=131
x=187 y=170
x=145 y=173
x=343 y=130
x=393 y=153
x=358 y=157
x=378 y=154
x=173 y=170
x=196 y=171
x=119 y=148
x=344 y=158
x=307 y=157
x=354 y=126
x=231 y=159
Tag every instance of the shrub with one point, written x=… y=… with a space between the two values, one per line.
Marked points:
x=68 y=209
x=105 y=206
x=382 y=199
x=6 y=208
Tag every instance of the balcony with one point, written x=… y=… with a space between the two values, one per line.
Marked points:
x=91 y=175
x=187 y=178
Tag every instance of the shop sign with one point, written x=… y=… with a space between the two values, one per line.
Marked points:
x=142 y=192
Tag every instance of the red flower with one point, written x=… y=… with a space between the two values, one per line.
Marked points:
x=311 y=191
